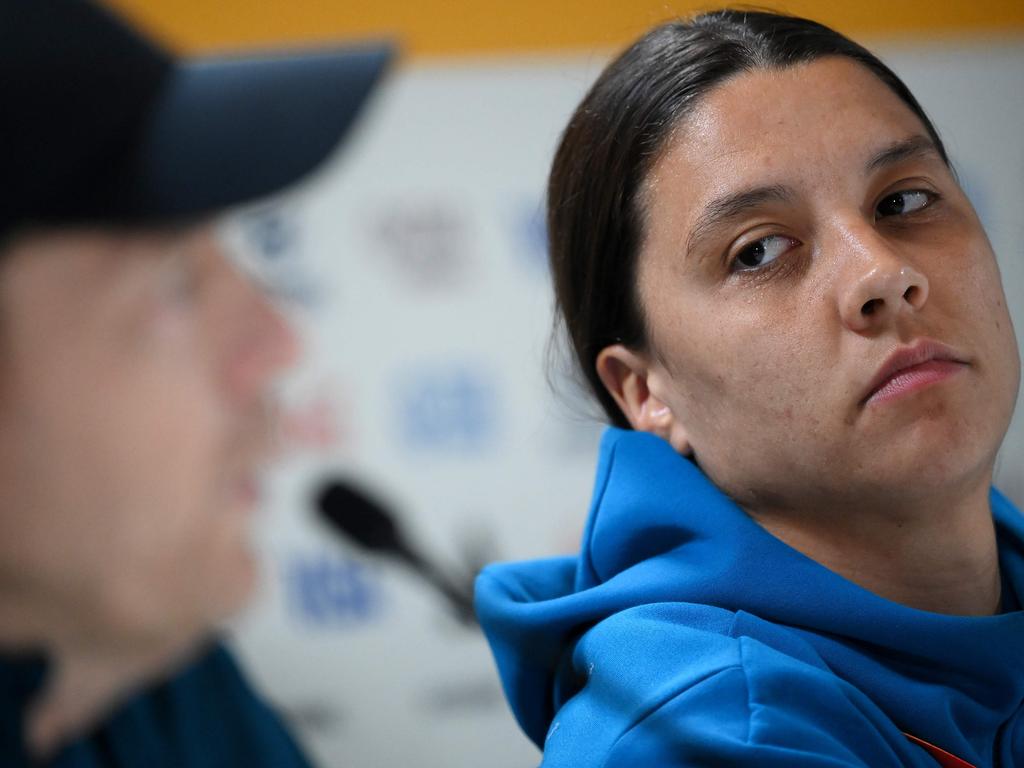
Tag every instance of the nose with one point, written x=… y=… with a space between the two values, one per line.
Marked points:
x=266 y=345
x=880 y=287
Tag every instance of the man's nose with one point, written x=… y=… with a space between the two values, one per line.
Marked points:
x=879 y=284
x=266 y=345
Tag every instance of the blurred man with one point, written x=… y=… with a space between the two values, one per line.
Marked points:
x=136 y=362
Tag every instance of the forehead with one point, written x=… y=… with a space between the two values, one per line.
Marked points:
x=807 y=126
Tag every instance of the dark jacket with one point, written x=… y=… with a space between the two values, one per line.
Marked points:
x=205 y=716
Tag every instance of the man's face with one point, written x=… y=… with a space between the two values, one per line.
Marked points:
x=800 y=230
x=133 y=422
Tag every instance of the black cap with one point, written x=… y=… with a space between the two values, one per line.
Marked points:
x=98 y=123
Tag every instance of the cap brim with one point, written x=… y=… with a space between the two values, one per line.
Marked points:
x=227 y=131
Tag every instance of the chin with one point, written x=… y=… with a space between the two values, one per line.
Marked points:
x=952 y=434
x=221 y=586
x=943 y=459
x=233 y=584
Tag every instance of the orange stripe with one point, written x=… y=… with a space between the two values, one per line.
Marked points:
x=942 y=757
x=445 y=27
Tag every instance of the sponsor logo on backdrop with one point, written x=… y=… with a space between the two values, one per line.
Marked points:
x=457 y=698
x=315 y=715
x=530 y=238
x=331 y=591
x=271 y=237
x=449 y=408
x=426 y=242
x=317 y=422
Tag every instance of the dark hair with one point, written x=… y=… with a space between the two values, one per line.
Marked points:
x=616 y=135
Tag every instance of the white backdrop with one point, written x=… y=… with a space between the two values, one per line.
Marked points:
x=416 y=268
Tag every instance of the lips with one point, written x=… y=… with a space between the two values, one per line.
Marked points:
x=911 y=368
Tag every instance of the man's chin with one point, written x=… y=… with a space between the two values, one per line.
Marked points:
x=224 y=593
x=183 y=614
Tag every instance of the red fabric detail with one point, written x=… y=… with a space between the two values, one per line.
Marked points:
x=942 y=757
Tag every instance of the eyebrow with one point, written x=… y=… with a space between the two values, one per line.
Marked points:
x=897 y=152
x=732 y=206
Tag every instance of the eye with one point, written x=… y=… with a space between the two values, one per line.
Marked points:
x=902 y=203
x=762 y=252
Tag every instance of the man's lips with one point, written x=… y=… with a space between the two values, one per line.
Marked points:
x=911 y=368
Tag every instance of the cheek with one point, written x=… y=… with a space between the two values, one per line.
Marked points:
x=757 y=395
x=180 y=524
x=996 y=317
x=1000 y=359
x=124 y=472
x=750 y=370
x=970 y=295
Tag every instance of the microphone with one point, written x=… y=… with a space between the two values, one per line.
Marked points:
x=364 y=521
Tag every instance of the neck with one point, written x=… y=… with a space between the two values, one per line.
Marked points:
x=33 y=618
x=935 y=555
x=23 y=625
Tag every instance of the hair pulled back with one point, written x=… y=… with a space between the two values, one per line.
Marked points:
x=616 y=135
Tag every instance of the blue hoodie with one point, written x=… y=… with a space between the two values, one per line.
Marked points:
x=684 y=634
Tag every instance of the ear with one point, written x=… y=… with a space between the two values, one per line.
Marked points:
x=628 y=376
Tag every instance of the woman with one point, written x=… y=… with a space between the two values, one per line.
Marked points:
x=795 y=322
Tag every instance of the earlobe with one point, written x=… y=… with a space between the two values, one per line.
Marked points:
x=627 y=377
x=679 y=439
x=662 y=421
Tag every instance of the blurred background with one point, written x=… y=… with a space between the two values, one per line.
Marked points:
x=414 y=266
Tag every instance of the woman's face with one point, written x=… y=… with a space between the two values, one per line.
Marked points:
x=800 y=230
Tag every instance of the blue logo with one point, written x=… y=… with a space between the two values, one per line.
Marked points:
x=273 y=232
x=331 y=591
x=272 y=244
x=447 y=408
x=531 y=235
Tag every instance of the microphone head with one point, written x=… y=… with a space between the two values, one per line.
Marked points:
x=368 y=523
x=361 y=518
